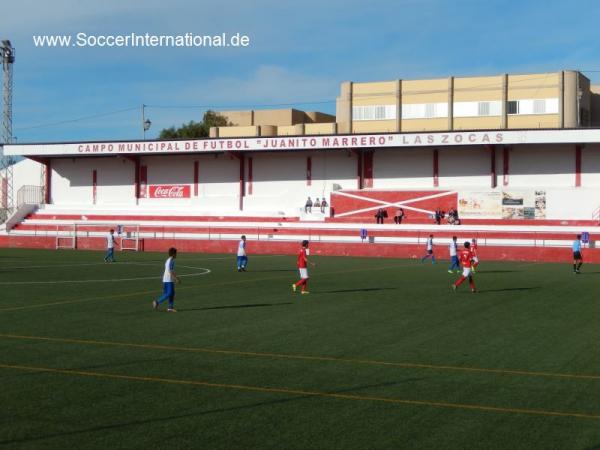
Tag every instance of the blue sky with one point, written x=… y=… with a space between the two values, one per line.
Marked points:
x=299 y=52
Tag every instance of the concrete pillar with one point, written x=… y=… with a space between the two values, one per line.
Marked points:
x=570 y=101
x=561 y=99
x=399 y=106
x=344 y=108
x=504 y=124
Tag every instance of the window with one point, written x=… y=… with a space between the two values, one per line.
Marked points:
x=429 y=110
x=483 y=109
x=539 y=106
x=374 y=112
x=424 y=110
x=487 y=108
x=512 y=107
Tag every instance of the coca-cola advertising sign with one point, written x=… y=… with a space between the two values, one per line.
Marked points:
x=170 y=191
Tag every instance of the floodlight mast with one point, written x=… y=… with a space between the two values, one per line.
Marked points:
x=7 y=57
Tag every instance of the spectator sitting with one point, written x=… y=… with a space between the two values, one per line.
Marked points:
x=439 y=215
x=399 y=216
x=453 y=217
x=380 y=215
x=308 y=206
x=324 y=205
x=317 y=203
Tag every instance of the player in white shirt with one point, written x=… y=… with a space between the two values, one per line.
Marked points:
x=429 y=250
x=110 y=247
x=169 y=279
x=242 y=258
x=454 y=264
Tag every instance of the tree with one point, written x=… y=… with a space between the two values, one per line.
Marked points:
x=193 y=130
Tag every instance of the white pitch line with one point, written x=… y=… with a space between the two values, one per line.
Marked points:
x=195 y=274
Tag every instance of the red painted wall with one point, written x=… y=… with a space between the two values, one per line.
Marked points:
x=342 y=204
x=533 y=254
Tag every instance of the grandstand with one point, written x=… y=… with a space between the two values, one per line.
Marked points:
x=523 y=188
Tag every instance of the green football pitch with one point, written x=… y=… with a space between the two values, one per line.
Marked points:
x=381 y=354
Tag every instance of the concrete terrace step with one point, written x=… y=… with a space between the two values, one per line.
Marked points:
x=325 y=238
x=111 y=221
x=36 y=226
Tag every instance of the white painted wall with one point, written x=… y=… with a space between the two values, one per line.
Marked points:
x=403 y=169
x=219 y=182
x=279 y=179
x=590 y=166
x=115 y=183
x=72 y=181
x=542 y=166
x=571 y=203
x=464 y=166
x=26 y=172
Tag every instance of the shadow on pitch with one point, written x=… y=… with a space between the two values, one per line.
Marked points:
x=511 y=289
x=253 y=305
x=274 y=270
x=345 y=291
x=494 y=271
x=137 y=423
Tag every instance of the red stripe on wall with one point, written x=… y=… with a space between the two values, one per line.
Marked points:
x=48 y=191
x=505 y=168
x=359 y=170
x=143 y=181
x=368 y=169
x=436 y=169
x=137 y=178
x=196 y=177
x=493 y=174
x=242 y=181
x=249 y=176
x=94 y=185
x=308 y=171
x=578 y=166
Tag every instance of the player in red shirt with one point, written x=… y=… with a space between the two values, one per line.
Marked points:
x=303 y=269
x=466 y=261
x=474 y=251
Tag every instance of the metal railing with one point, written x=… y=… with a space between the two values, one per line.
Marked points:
x=596 y=214
x=532 y=239
x=30 y=195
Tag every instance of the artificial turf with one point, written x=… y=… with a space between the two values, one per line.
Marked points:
x=381 y=354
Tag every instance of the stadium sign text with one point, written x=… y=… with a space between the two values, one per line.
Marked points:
x=325 y=142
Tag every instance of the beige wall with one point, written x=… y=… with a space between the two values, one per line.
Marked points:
x=425 y=91
x=478 y=123
x=595 y=105
x=425 y=124
x=466 y=91
x=320 y=128
x=451 y=91
x=477 y=89
x=374 y=126
x=238 y=131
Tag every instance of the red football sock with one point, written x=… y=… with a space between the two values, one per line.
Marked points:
x=459 y=281
x=305 y=284
x=471 y=284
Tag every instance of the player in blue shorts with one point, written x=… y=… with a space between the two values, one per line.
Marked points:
x=110 y=246
x=242 y=257
x=169 y=279
x=577 y=257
